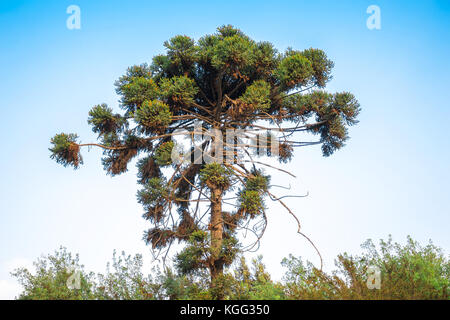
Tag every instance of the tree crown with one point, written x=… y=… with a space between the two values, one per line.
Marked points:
x=224 y=81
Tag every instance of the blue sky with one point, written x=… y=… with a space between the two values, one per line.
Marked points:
x=391 y=178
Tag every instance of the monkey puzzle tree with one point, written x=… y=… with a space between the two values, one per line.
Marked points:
x=222 y=83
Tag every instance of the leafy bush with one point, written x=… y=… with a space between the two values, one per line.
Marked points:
x=409 y=271
x=51 y=278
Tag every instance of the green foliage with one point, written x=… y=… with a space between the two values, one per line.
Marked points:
x=163 y=155
x=408 y=271
x=65 y=150
x=104 y=121
x=257 y=182
x=294 y=71
x=153 y=196
x=179 y=90
x=258 y=95
x=255 y=283
x=321 y=66
x=198 y=236
x=196 y=254
x=181 y=51
x=135 y=87
x=154 y=190
x=306 y=104
x=49 y=282
x=251 y=202
x=251 y=197
x=183 y=287
x=265 y=59
x=179 y=60
x=153 y=116
x=342 y=110
x=230 y=249
x=126 y=281
x=333 y=113
x=347 y=106
x=192 y=258
x=215 y=175
x=229 y=47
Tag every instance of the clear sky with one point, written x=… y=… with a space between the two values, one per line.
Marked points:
x=393 y=176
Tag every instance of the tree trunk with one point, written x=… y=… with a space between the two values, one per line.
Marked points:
x=216 y=225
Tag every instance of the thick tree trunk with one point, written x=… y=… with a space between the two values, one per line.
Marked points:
x=216 y=225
